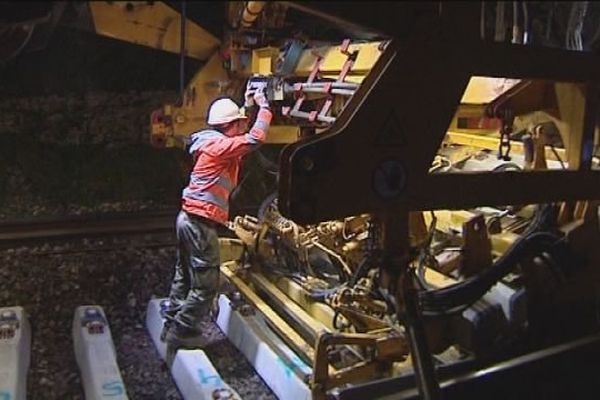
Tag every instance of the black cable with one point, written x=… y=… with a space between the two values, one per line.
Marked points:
x=507 y=166
x=269 y=166
x=470 y=290
x=426 y=255
x=446 y=312
x=543 y=220
x=361 y=271
x=335 y=323
x=555 y=269
x=262 y=210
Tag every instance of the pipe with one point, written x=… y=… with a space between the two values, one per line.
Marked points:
x=515 y=28
x=182 y=51
x=525 y=23
x=429 y=388
x=251 y=12
x=482 y=21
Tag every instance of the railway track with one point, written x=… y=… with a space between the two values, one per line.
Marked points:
x=49 y=268
x=96 y=357
x=28 y=230
x=16 y=231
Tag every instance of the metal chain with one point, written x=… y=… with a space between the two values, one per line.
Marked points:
x=505 y=131
x=504 y=146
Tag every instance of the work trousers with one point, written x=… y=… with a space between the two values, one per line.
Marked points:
x=196 y=279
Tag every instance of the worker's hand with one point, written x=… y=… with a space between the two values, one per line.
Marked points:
x=249 y=97
x=260 y=98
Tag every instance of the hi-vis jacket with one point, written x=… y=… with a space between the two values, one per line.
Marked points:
x=216 y=169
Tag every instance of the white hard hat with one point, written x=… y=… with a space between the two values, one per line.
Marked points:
x=223 y=111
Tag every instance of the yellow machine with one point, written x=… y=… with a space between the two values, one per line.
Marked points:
x=437 y=207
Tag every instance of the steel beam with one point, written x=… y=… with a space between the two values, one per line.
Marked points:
x=292 y=338
x=395 y=123
x=152 y=24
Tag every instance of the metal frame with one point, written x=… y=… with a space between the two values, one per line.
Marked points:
x=563 y=371
x=379 y=150
x=405 y=88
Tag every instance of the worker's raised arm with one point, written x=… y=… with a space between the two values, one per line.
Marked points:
x=239 y=145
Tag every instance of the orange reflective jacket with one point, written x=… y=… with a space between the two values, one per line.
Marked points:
x=216 y=169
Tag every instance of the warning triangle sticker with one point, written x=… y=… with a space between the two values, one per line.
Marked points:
x=391 y=133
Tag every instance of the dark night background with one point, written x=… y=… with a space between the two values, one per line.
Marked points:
x=74 y=114
x=75 y=139
x=75 y=128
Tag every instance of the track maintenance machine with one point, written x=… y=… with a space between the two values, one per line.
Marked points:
x=434 y=230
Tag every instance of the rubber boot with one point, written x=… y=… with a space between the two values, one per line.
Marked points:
x=178 y=337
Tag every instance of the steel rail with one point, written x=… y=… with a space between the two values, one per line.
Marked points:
x=89 y=225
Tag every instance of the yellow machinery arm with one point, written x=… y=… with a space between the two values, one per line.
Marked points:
x=343 y=276
x=152 y=24
x=173 y=123
x=156 y=25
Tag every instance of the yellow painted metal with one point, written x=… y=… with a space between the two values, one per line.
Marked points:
x=230 y=249
x=281 y=134
x=571 y=103
x=502 y=241
x=308 y=321
x=209 y=83
x=449 y=220
x=319 y=311
x=152 y=24
x=263 y=60
x=277 y=134
x=471 y=110
x=213 y=81
x=349 y=78
x=388 y=348
x=452 y=221
x=483 y=89
x=334 y=59
x=438 y=280
x=292 y=338
x=251 y=12
x=491 y=143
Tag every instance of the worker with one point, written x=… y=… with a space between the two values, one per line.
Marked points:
x=217 y=154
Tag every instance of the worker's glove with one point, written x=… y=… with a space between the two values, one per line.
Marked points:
x=260 y=98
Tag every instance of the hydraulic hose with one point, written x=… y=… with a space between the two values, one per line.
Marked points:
x=470 y=290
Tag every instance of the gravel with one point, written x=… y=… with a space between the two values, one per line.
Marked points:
x=50 y=285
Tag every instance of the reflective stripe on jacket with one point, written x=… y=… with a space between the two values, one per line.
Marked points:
x=216 y=168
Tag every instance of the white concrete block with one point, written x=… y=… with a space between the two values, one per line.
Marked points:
x=15 y=351
x=197 y=378
x=193 y=373
x=154 y=325
x=282 y=370
x=96 y=356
